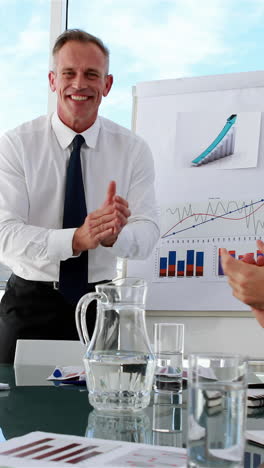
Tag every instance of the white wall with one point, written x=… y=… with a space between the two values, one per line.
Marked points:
x=216 y=334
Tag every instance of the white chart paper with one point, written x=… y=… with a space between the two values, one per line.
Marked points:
x=44 y=449
x=203 y=208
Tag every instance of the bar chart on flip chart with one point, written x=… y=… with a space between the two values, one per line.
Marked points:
x=193 y=234
x=185 y=266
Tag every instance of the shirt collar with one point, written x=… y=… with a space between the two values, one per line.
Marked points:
x=65 y=134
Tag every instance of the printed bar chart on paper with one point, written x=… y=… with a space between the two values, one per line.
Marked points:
x=58 y=450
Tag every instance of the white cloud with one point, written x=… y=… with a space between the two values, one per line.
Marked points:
x=188 y=33
x=31 y=40
x=167 y=38
x=117 y=99
x=24 y=60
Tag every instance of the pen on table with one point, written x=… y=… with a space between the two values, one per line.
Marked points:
x=4 y=386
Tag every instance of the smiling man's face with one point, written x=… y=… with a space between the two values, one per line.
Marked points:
x=80 y=81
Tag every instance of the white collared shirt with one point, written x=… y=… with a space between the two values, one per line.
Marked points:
x=33 y=164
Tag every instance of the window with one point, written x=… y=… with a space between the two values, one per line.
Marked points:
x=24 y=41
x=161 y=39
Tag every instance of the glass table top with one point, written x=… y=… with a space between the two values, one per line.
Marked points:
x=34 y=404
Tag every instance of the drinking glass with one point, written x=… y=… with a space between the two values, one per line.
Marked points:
x=217 y=390
x=168 y=349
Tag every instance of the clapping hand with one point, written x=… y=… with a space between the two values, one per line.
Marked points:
x=103 y=225
x=246 y=278
x=121 y=213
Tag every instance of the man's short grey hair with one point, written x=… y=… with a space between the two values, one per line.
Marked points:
x=79 y=35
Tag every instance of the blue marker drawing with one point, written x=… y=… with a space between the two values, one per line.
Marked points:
x=222 y=146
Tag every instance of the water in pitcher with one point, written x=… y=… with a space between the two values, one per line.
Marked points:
x=217 y=426
x=119 y=380
x=119 y=361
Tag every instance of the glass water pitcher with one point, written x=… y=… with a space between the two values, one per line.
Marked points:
x=119 y=362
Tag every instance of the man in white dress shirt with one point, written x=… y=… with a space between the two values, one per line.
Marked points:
x=118 y=175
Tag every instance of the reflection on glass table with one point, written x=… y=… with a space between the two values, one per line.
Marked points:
x=65 y=409
x=134 y=427
x=167 y=420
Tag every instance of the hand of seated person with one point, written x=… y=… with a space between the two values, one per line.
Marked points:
x=246 y=279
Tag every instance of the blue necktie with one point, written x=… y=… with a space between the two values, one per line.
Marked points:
x=73 y=280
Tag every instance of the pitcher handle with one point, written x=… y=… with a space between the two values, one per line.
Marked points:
x=80 y=315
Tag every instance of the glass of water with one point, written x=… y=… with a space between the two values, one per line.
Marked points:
x=217 y=391
x=168 y=349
